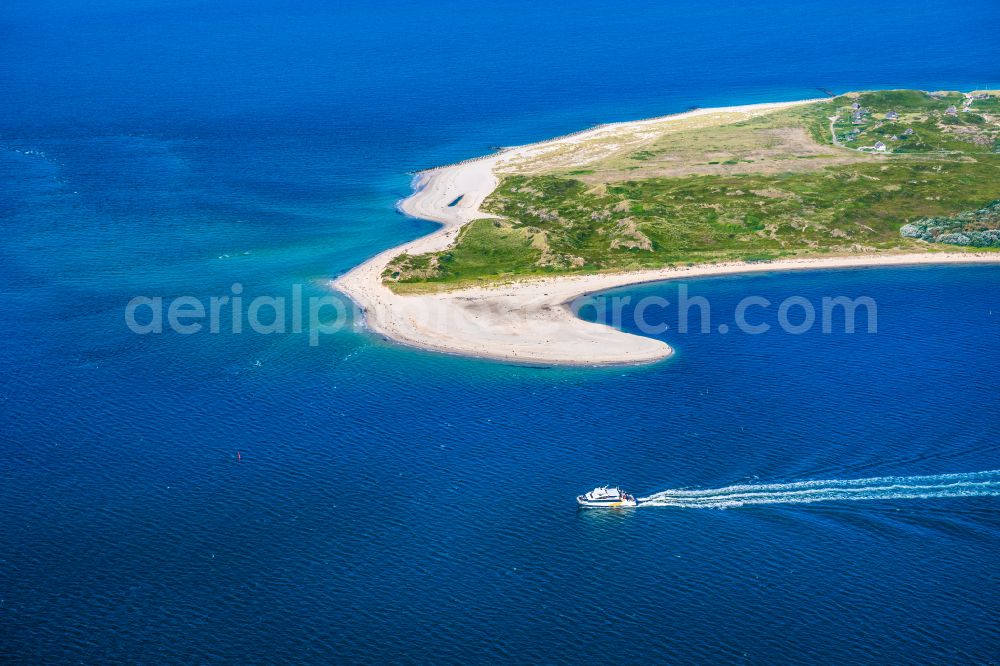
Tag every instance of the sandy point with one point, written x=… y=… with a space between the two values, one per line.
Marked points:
x=530 y=321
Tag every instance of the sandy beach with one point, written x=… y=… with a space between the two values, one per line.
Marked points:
x=530 y=321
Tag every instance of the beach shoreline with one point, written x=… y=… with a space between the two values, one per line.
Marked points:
x=530 y=321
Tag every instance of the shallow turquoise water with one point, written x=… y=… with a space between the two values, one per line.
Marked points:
x=395 y=505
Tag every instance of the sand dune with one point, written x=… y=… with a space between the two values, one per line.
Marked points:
x=530 y=321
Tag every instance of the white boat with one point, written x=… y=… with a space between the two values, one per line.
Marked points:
x=605 y=497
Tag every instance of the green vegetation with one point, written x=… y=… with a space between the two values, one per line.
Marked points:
x=765 y=187
x=980 y=228
x=484 y=249
x=910 y=121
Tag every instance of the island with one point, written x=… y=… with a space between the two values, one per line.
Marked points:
x=893 y=177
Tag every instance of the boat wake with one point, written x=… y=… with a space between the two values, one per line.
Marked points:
x=972 y=484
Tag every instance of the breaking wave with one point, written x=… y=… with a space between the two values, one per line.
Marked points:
x=971 y=484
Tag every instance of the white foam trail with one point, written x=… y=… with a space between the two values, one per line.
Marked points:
x=971 y=484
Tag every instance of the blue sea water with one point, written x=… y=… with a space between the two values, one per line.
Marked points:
x=391 y=505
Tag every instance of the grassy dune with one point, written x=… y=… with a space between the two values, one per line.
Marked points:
x=805 y=181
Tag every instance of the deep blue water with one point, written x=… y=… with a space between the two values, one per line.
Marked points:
x=395 y=505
